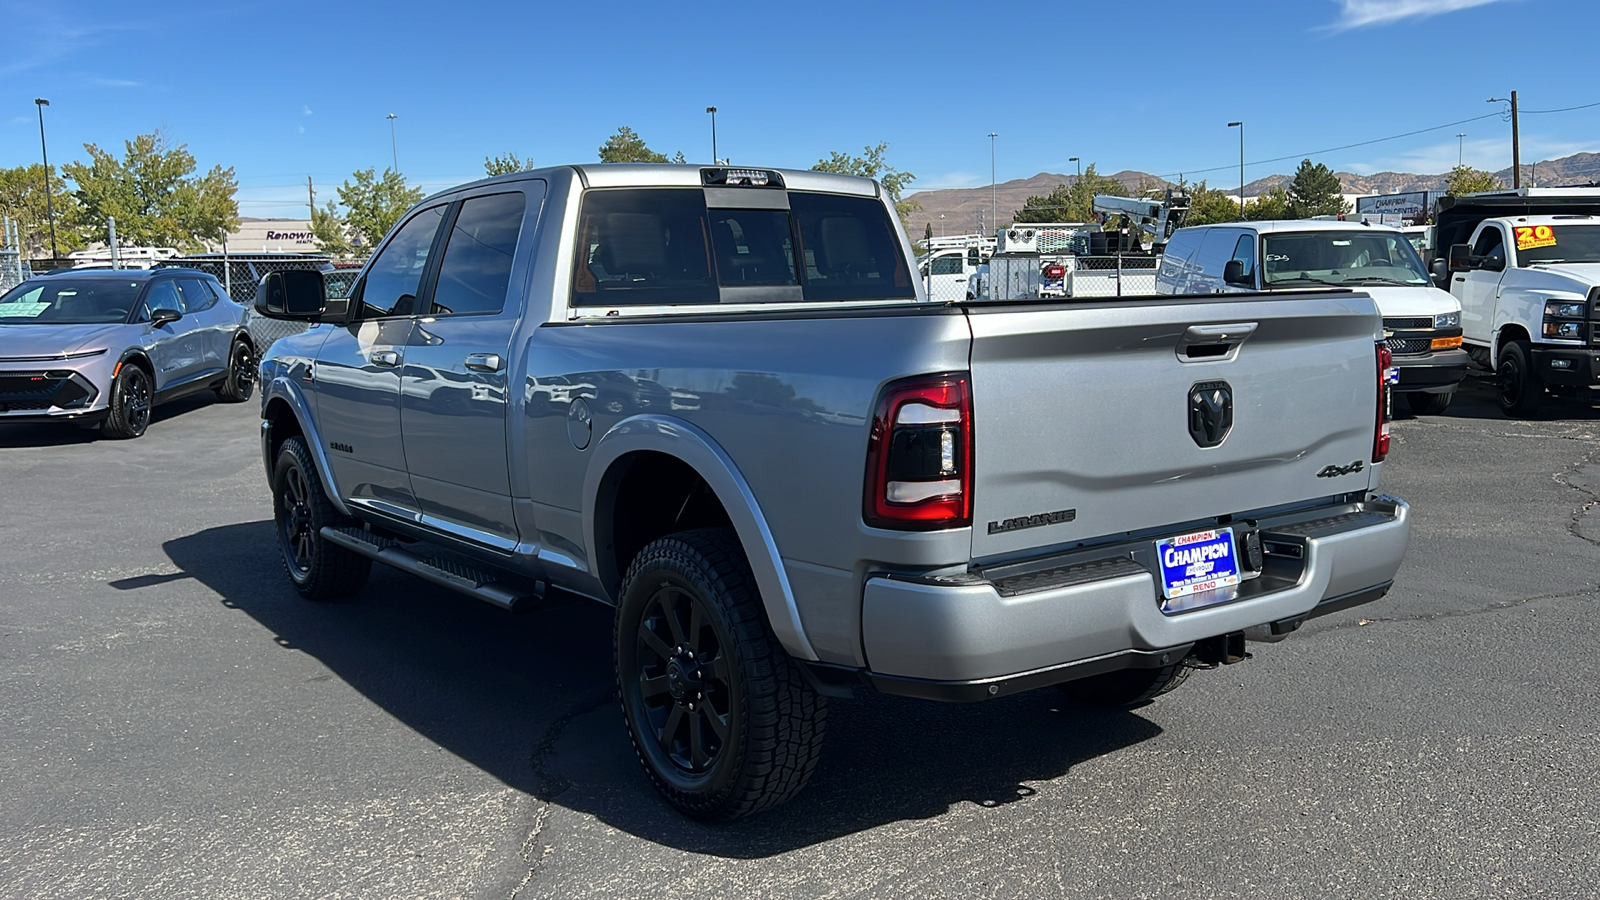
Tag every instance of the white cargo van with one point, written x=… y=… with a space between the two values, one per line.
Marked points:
x=1421 y=322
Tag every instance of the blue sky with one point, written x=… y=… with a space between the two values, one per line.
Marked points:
x=282 y=92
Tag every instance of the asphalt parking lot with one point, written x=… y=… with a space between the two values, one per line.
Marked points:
x=178 y=723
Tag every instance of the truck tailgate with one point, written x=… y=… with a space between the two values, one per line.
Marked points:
x=1083 y=420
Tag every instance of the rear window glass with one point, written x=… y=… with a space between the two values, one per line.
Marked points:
x=662 y=246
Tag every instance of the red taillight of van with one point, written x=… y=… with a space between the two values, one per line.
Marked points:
x=919 y=455
x=1386 y=379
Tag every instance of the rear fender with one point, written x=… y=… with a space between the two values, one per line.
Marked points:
x=700 y=452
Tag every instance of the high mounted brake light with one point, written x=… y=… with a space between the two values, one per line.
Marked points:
x=741 y=178
x=919 y=455
x=1387 y=376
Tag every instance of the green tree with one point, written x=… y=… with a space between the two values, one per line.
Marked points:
x=1315 y=191
x=626 y=146
x=872 y=164
x=1273 y=204
x=1208 y=206
x=370 y=207
x=927 y=233
x=154 y=195
x=1070 y=202
x=505 y=165
x=22 y=199
x=1467 y=180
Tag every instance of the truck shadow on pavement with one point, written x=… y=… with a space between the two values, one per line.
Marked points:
x=530 y=699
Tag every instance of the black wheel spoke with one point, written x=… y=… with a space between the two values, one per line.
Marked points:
x=718 y=723
x=719 y=668
x=651 y=687
x=698 y=757
x=670 y=729
x=697 y=621
x=670 y=611
x=654 y=642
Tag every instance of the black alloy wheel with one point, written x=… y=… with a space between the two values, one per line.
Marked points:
x=319 y=569
x=129 y=414
x=684 y=682
x=1521 y=389
x=721 y=718
x=241 y=378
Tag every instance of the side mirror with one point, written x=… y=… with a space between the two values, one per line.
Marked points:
x=298 y=294
x=160 y=317
x=1493 y=262
x=1460 y=257
x=1233 y=273
x=1439 y=271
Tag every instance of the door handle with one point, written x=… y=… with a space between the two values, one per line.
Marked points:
x=485 y=362
x=386 y=358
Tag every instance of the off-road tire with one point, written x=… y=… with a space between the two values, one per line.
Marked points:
x=1126 y=687
x=772 y=735
x=132 y=396
x=1429 y=404
x=240 y=381
x=1521 y=388
x=319 y=569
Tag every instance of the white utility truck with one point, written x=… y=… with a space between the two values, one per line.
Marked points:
x=1525 y=265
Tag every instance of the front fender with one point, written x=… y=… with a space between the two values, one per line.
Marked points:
x=700 y=452
x=281 y=389
x=1524 y=307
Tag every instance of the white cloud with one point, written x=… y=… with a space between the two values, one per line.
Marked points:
x=1361 y=13
x=307 y=110
x=1490 y=154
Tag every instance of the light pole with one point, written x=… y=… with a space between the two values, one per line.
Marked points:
x=1240 y=126
x=1074 y=159
x=993 y=209
x=393 y=149
x=941 y=224
x=713 y=111
x=1461 y=144
x=1516 y=145
x=49 y=207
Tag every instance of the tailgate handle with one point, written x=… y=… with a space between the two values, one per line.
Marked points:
x=1207 y=343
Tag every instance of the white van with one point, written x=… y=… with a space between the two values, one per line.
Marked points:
x=1423 y=323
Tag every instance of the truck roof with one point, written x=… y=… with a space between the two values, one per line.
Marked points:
x=676 y=175
x=1299 y=225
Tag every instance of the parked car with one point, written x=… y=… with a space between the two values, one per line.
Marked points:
x=241 y=272
x=1422 y=323
x=103 y=347
x=720 y=400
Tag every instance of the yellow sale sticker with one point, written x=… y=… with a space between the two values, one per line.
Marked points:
x=1532 y=237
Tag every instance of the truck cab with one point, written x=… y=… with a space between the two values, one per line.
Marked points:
x=1422 y=324
x=1528 y=286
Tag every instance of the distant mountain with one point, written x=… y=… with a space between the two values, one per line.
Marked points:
x=960 y=206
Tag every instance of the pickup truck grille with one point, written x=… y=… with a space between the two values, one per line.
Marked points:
x=1400 y=346
x=1400 y=323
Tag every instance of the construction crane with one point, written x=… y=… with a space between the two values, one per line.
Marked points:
x=1156 y=217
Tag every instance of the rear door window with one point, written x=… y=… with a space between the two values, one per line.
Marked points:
x=196 y=294
x=662 y=246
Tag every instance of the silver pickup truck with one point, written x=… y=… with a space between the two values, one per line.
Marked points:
x=718 y=400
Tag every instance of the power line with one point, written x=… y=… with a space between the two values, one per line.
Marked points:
x=1540 y=112
x=1311 y=153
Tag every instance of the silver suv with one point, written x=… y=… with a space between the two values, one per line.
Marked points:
x=103 y=347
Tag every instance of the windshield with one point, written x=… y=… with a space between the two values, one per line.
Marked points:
x=1557 y=244
x=1341 y=258
x=61 y=300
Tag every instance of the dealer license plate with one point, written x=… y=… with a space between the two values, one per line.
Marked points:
x=1199 y=562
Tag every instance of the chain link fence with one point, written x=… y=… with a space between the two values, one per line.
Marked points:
x=241 y=272
x=14 y=270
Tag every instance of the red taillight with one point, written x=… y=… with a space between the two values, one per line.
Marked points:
x=1380 y=435
x=1055 y=271
x=919 y=455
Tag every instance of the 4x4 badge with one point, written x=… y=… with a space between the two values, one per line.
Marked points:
x=1336 y=471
